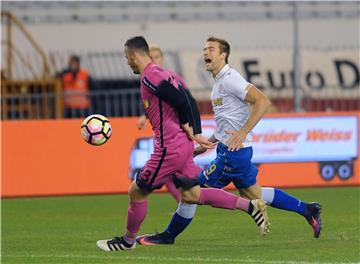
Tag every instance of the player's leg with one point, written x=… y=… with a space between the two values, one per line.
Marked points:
x=172 y=190
x=212 y=176
x=191 y=192
x=245 y=174
x=180 y=220
x=279 y=199
x=219 y=198
x=153 y=176
x=135 y=216
x=185 y=212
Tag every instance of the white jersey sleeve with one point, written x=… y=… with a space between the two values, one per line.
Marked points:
x=236 y=85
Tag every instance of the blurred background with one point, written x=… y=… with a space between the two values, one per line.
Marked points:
x=303 y=55
x=64 y=60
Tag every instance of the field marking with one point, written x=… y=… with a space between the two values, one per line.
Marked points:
x=184 y=259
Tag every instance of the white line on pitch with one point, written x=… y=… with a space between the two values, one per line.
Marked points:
x=185 y=259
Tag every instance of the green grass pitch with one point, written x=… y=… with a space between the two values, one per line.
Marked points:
x=65 y=230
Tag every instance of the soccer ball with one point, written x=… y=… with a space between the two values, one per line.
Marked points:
x=96 y=130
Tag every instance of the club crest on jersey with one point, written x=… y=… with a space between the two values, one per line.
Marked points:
x=217 y=101
x=146 y=104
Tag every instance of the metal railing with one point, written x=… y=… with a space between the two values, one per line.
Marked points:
x=45 y=100
x=124 y=102
x=31 y=99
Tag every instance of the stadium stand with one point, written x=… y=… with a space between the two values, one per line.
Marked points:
x=29 y=75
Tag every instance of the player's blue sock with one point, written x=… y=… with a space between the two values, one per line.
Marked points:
x=177 y=225
x=281 y=200
x=181 y=219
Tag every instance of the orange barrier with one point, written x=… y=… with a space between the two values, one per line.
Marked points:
x=50 y=158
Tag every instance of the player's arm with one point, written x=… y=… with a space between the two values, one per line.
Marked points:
x=194 y=114
x=167 y=92
x=259 y=104
x=186 y=107
x=200 y=149
x=141 y=123
x=258 y=101
x=181 y=102
x=188 y=116
x=194 y=121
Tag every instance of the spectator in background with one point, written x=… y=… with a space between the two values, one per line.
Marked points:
x=76 y=85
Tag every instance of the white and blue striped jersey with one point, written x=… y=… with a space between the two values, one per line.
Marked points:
x=229 y=105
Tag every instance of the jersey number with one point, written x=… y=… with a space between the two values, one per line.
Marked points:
x=211 y=169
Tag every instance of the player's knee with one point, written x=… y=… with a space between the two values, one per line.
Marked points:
x=189 y=197
x=135 y=193
x=253 y=192
x=131 y=190
x=184 y=182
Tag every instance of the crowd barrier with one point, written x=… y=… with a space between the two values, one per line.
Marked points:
x=49 y=157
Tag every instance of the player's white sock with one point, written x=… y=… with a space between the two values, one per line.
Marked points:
x=186 y=210
x=268 y=195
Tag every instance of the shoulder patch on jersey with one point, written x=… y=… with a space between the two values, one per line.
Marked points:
x=148 y=84
x=146 y=103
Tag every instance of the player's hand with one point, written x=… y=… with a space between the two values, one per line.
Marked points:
x=236 y=139
x=199 y=150
x=188 y=130
x=141 y=123
x=204 y=142
x=200 y=139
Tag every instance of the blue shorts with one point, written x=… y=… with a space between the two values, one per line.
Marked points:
x=230 y=166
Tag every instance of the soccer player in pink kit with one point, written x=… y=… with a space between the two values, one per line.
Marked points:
x=157 y=57
x=172 y=111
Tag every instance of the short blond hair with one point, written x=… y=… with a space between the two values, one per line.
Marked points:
x=155 y=47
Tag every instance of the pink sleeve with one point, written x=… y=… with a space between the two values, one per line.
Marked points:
x=156 y=76
x=179 y=78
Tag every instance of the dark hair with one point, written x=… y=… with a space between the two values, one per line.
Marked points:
x=223 y=44
x=138 y=43
x=75 y=58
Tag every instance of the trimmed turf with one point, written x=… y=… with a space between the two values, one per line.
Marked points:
x=65 y=230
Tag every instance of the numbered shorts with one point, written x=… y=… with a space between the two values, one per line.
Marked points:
x=166 y=163
x=230 y=166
